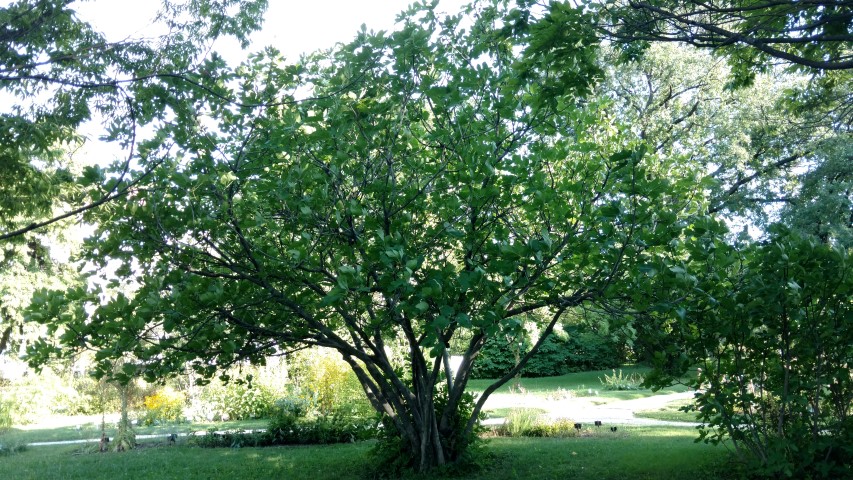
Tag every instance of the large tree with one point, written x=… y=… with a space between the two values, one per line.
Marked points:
x=419 y=186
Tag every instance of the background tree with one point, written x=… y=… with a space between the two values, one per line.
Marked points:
x=433 y=184
x=747 y=140
x=823 y=206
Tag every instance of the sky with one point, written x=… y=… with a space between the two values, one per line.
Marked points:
x=292 y=26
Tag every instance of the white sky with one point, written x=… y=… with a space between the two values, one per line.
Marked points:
x=292 y=26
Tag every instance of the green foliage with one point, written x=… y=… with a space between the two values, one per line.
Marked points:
x=436 y=181
x=524 y=422
x=774 y=348
x=53 y=391
x=6 y=420
x=576 y=349
x=338 y=427
x=518 y=422
x=164 y=405
x=11 y=448
x=824 y=203
x=500 y=354
x=287 y=427
x=229 y=439
x=238 y=401
x=620 y=381
x=330 y=384
x=753 y=36
x=392 y=455
x=61 y=73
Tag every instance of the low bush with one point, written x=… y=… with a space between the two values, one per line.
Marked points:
x=335 y=428
x=11 y=447
x=574 y=350
x=235 y=401
x=523 y=422
x=287 y=429
x=165 y=405
x=620 y=381
x=6 y=420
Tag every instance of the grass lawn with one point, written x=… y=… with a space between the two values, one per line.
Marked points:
x=632 y=452
x=581 y=384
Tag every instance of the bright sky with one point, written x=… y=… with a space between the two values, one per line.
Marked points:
x=292 y=26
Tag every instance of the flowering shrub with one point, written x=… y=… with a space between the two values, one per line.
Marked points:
x=165 y=405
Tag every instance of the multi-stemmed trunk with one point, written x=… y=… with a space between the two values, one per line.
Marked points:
x=433 y=416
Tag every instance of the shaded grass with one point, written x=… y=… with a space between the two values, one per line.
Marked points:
x=187 y=463
x=92 y=431
x=632 y=452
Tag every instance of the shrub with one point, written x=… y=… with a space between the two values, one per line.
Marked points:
x=391 y=455
x=587 y=350
x=523 y=422
x=235 y=401
x=499 y=355
x=234 y=439
x=165 y=405
x=6 y=420
x=331 y=386
x=770 y=327
x=620 y=381
x=520 y=422
x=11 y=448
x=336 y=428
x=287 y=429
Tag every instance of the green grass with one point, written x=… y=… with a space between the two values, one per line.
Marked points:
x=88 y=431
x=670 y=412
x=633 y=453
x=581 y=384
x=636 y=453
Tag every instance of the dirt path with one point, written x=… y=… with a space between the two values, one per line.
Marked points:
x=585 y=410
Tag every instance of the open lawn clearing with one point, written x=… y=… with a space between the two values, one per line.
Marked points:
x=631 y=452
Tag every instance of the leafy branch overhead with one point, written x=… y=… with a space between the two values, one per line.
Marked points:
x=62 y=73
x=814 y=34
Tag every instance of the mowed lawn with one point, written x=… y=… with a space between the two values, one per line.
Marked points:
x=631 y=453
x=580 y=384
